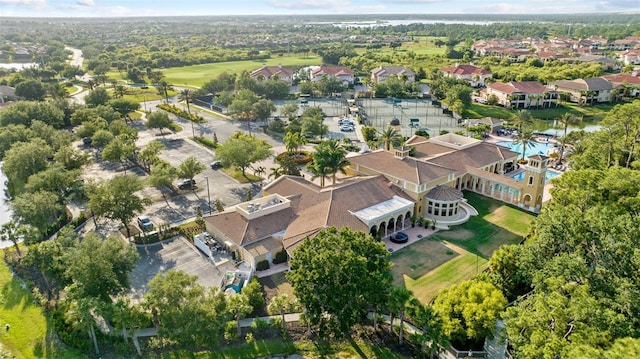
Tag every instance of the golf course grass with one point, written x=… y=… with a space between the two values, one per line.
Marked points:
x=199 y=74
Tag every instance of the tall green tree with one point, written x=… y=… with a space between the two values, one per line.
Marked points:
x=31 y=90
x=242 y=150
x=117 y=199
x=24 y=159
x=184 y=311
x=522 y=119
x=338 y=275
x=469 y=310
x=119 y=151
x=97 y=97
x=239 y=307
x=526 y=140
x=39 y=209
x=100 y=268
x=162 y=177
x=293 y=141
x=189 y=168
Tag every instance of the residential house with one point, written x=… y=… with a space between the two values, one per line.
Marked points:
x=273 y=72
x=7 y=95
x=494 y=123
x=629 y=42
x=344 y=74
x=470 y=73
x=584 y=91
x=383 y=73
x=521 y=94
x=630 y=57
x=627 y=85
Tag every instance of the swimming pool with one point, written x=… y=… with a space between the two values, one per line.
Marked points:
x=548 y=176
x=537 y=148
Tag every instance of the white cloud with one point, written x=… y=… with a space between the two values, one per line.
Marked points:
x=85 y=2
x=25 y=2
x=309 y=4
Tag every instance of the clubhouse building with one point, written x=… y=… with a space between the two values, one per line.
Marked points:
x=384 y=190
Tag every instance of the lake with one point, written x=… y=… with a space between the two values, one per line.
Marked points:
x=5 y=209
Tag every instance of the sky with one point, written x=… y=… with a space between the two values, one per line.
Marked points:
x=117 y=8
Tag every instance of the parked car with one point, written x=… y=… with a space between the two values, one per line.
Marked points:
x=399 y=237
x=187 y=184
x=347 y=128
x=215 y=165
x=145 y=224
x=345 y=121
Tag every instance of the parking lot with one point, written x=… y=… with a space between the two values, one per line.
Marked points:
x=177 y=254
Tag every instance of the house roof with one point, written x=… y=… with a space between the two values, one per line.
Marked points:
x=528 y=87
x=335 y=71
x=478 y=156
x=322 y=207
x=392 y=70
x=409 y=168
x=622 y=78
x=270 y=71
x=465 y=70
x=444 y=193
x=245 y=231
x=591 y=84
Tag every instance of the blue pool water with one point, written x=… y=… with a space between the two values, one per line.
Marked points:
x=538 y=148
x=550 y=174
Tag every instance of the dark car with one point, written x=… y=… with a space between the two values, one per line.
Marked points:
x=145 y=223
x=187 y=184
x=399 y=237
x=215 y=165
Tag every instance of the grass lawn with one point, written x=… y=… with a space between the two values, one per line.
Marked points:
x=495 y=225
x=419 y=258
x=30 y=333
x=459 y=269
x=274 y=285
x=138 y=94
x=199 y=74
x=237 y=175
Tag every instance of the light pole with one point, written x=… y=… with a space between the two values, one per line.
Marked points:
x=208 y=194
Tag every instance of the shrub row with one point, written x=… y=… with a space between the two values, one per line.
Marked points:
x=182 y=113
x=299 y=157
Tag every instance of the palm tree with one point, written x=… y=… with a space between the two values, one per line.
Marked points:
x=282 y=304
x=293 y=141
x=337 y=158
x=430 y=325
x=164 y=89
x=522 y=119
x=398 y=299
x=566 y=120
x=276 y=172
x=319 y=166
x=186 y=95
x=390 y=138
x=525 y=138
x=259 y=171
x=239 y=306
x=80 y=316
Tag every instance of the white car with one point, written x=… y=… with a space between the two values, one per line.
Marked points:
x=347 y=128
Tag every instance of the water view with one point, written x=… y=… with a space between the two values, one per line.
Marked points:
x=5 y=210
x=537 y=148
x=550 y=175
